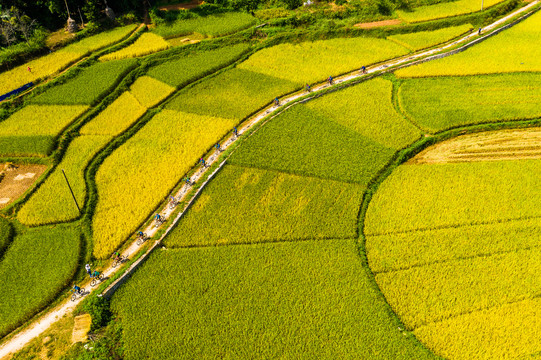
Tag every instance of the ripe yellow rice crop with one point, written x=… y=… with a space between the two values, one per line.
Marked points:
x=40 y=119
x=439 y=291
x=53 y=202
x=310 y=62
x=138 y=175
x=509 y=331
x=48 y=65
x=149 y=91
x=423 y=39
x=147 y=43
x=513 y=50
x=116 y=118
x=418 y=197
x=444 y=9
x=403 y=250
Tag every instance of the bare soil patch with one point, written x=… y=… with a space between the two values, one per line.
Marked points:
x=16 y=180
x=485 y=146
x=182 y=6
x=376 y=24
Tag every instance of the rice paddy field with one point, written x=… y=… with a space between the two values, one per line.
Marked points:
x=392 y=217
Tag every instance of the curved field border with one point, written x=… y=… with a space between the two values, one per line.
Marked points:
x=17 y=341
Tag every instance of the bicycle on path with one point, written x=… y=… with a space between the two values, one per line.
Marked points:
x=141 y=237
x=118 y=259
x=77 y=293
x=96 y=278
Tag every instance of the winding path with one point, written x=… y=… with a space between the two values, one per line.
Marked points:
x=44 y=321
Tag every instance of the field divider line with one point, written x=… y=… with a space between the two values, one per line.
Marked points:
x=20 y=339
x=457 y=226
x=484 y=308
x=460 y=258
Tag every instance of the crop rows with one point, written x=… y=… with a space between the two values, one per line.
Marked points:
x=445 y=195
x=38 y=265
x=439 y=291
x=251 y=205
x=513 y=50
x=147 y=43
x=48 y=65
x=257 y=302
x=509 y=331
x=137 y=176
x=403 y=250
x=53 y=202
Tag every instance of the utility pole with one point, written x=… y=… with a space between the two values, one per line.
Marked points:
x=482 y=4
x=82 y=22
x=69 y=186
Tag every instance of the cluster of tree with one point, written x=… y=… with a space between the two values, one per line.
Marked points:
x=52 y=14
x=15 y=26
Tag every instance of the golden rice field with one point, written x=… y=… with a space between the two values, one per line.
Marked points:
x=48 y=65
x=138 y=175
x=149 y=91
x=517 y=49
x=147 y=43
x=116 y=118
x=444 y=10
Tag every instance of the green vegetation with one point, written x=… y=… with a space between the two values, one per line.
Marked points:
x=53 y=202
x=185 y=69
x=233 y=94
x=445 y=195
x=138 y=175
x=302 y=141
x=149 y=91
x=6 y=233
x=213 y=25
x=38 y=264
x=423 y=39
x=510 y=51
x=367 y=109
x=444 y=9
x=31 y=130
x=116 y=118
x=310 y=62
x=403 y=250
x=251 y=205
x=439 y=291
x=441 y=103
x=101 y=40
x=88 y=86
x=290 y=300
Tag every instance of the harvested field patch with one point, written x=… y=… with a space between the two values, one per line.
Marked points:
x=17 y=180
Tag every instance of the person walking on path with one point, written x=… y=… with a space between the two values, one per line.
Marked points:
x=88 y=270
x=479 y=31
